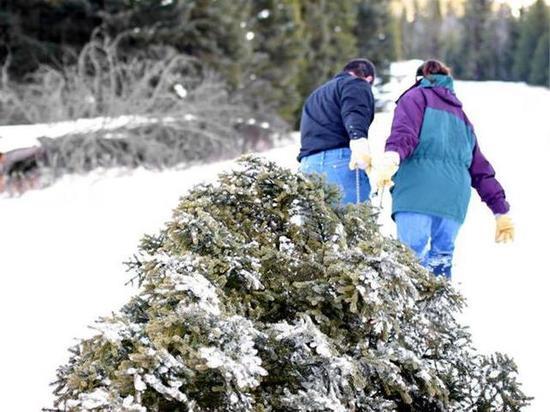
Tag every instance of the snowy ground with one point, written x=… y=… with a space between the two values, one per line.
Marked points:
x=62 y=248
x=16 y=136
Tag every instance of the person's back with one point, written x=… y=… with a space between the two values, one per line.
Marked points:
x=334 y=130
x=434 y=177
x=322 y=124
x=434 y=158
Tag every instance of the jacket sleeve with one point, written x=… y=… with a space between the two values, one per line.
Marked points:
x=357 y=107
x=406 y=125
x=484 y=181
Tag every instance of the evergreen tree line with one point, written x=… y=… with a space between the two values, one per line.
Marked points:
x=274 y=52
x=479 y=40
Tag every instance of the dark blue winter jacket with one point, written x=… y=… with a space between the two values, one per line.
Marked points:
x=339 y=110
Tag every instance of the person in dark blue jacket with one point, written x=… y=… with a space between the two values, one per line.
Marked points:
x=334 y=130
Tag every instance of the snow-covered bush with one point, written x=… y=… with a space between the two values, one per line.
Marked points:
x=262 y=295
x=176 y=110
x=203 y=128
x=104 y=81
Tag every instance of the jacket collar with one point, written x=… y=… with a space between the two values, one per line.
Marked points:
x=342 y=74
x=442 y=86
x=438 y=80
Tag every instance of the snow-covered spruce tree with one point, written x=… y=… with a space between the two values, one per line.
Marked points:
x=261 y=295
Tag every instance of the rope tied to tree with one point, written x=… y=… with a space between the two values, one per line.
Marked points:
x=357 y=188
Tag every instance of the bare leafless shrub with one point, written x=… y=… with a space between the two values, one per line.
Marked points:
x=155 y=145
x=101 y=83
x=180 y=113
x=203 y=126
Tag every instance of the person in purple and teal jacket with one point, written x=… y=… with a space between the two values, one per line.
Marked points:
x=434 y=158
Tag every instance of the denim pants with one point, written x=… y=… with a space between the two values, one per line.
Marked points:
x=416 y=230
x=334 y=165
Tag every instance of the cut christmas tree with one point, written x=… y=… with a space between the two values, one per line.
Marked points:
x=262 y=294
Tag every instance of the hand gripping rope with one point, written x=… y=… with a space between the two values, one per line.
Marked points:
x=379 y=193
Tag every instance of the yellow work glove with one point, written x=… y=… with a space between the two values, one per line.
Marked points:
x=360 y=154
x=505 y=229
x=386 y=168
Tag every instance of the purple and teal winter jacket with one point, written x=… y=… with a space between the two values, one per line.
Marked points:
x=440 y=155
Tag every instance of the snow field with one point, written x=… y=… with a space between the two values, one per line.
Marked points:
x=62 y=248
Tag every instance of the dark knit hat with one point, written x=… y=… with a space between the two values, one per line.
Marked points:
x=360 y=67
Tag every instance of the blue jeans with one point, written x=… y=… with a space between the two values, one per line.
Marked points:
x=416 y=230
x=334 y=165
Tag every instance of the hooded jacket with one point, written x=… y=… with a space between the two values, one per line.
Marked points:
x=440 y=156
x=339 y=110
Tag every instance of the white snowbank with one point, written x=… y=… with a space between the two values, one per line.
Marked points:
x=16 y=136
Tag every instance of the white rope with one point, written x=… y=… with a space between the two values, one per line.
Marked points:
x=380 y=192
x=357 y=188
x=381 y=197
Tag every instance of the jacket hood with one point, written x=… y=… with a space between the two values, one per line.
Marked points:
x=443 y=86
